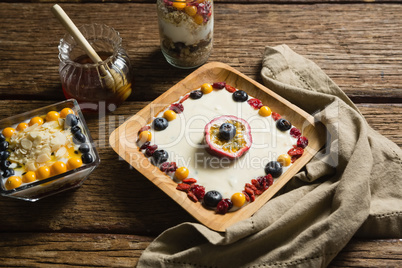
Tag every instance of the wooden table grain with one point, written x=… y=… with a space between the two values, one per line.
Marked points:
x=114 y=216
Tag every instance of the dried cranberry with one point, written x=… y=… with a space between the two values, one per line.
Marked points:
x=219 y=85
x=198 y=191
x=255 y=103
x=295 y=133
x=177 y=108
x=168 y=167
x=295 y=153
x=302 y=142
x=145 y=145
x=276 y=116
x=144 y=128
x=151 y=150
x=224 y=206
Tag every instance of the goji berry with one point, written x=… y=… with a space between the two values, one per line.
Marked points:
x=276 y=116
x=230 y=88
x=184 y=98
x=189 y=180
x=192 y=196
x=183 y=187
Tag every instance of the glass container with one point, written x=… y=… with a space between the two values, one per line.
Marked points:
x=73 y=177
x=94 y=85
x=186 y=31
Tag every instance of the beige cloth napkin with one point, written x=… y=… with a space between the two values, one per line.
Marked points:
x=352 y=187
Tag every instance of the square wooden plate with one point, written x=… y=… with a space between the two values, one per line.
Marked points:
x=123 y=140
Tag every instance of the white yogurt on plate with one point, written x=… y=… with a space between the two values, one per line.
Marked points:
x=183 y=140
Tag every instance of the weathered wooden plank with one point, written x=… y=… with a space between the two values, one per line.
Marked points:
x=357 y=45
x=120 y=250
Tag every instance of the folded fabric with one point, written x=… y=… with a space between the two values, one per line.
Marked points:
x=353 y=186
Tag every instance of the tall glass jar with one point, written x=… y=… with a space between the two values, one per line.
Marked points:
x=102 y=85
x=186 y=31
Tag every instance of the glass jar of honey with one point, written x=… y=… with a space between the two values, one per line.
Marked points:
x=100 y=85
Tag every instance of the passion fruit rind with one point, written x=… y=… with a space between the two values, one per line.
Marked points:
x=233 y=148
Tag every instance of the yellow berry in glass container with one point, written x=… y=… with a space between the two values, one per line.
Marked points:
x=180 y=5
x=58 y=168
x=284 y=159
x=43 y=172
x=191 y=10
x=206 y=88
x=65 y=112
x=52 y=116
x=36 y=120
x=264 y=111
x=181 y=173
x=8 y=132
x=238 y=199
x=74 y=162
x=13 y=182
x=30 y=176
x=170 y=115
x=198 y=19
x=22 y=126
x=145 y=136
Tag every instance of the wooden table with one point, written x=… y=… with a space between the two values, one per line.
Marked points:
x=114 y=216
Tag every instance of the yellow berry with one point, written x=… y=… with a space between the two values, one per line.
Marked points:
x=284 y=159
x=169 y=115
x=206 y=88
x=191 y=10
x=65 y=112
x=52 y=116
x=58 y=168
x=74 y=162
x=264 y=111
x=181 y=173
x=8 y=132
x=43 y=172
x=13 y=182
x=36 y=120
x=179 y=4
x=238 y=199
x=145 y=136
x=22 y=126
x=30 y=176
x=198 y=19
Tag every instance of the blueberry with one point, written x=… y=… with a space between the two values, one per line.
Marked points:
x=227 y=131
x=8 y=172
x=84 y=148
x=3 y=145
x=4 y=164
x=87 y=158
x=79 y=138
x=160 y=156
x=2 y=138
x=75 y=129
x=4 y=155
x=274 y=168
x=196 y=94
x=160 y=123
x=240 y=96
x=212 y=198
x=283 y=124
x=71 y=120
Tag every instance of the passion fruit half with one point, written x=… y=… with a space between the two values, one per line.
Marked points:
x=219 y=145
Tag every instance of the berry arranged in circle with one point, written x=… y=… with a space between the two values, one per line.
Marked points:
x=206 y=88
x=238 y=199
x=212 y=198
x=181 y=173
x=284 y=160
x=170 y=115
x=196 y=94
x=160 y=123
x=160 y=156
x=240 y=96
x=264 y=111
x=274 y=168
x=283 y=124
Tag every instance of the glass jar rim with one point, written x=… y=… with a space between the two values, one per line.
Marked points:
x=117 y=43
